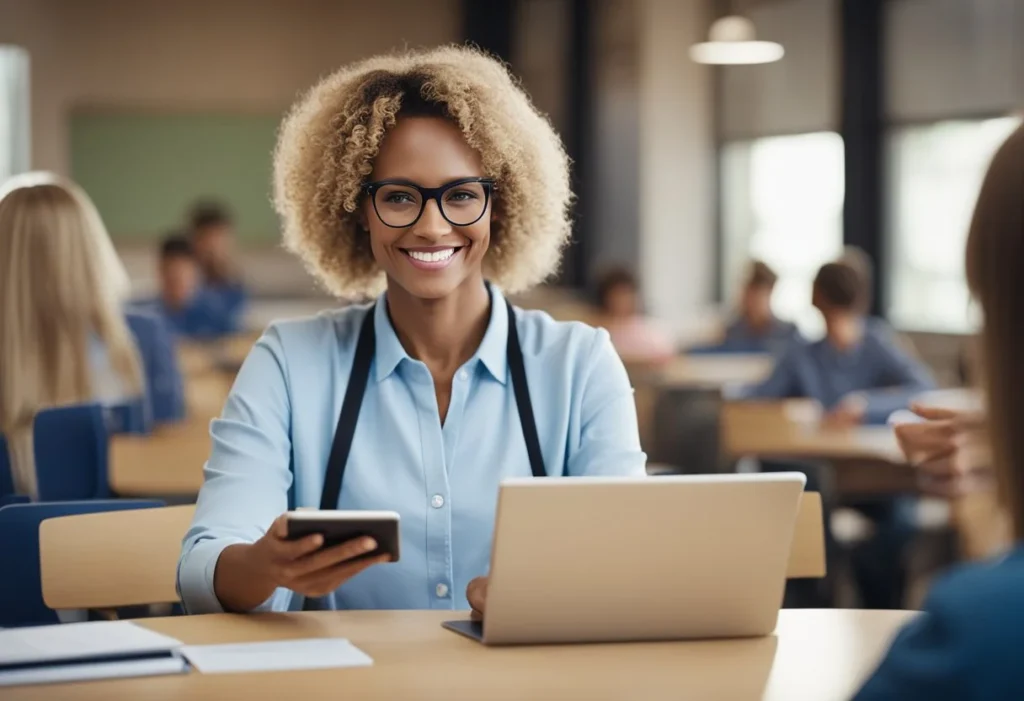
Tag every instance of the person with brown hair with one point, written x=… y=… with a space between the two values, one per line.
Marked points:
x=756 y=329
x=636 y=338
x=967 y=642
x=211 y=229
x=427 y=178
x=859 y=373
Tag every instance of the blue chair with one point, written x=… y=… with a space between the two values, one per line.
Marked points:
x=126 y=417
x=21 y=592
x=6 y=476
x=165 y=389
x=70 y=444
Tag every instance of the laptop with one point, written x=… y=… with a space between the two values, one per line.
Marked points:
x=608 y=559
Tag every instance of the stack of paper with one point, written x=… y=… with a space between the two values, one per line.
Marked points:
x=80 y=651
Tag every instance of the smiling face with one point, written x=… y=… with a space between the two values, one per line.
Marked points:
x=430 y=258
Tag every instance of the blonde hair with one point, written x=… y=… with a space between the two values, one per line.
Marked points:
x=329 y=139
x=61 y=283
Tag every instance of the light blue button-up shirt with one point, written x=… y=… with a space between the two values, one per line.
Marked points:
x=277 y=427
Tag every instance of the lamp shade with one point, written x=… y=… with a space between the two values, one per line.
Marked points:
x=732 y=40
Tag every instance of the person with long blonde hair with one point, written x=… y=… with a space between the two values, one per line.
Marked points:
x=63 y=334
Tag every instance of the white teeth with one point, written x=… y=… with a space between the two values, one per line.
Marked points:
x=432 y=256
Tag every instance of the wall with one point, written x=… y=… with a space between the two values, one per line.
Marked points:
x=202 y=55
x=676 y=177
x=198 y=54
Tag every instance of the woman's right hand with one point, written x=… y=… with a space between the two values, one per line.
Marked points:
x=247 y=574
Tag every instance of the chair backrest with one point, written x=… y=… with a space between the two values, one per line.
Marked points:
x=70 y=444
x=6 y=476
x=807 y=554
x=126 y=417
x=21 y=593
x=107 y=560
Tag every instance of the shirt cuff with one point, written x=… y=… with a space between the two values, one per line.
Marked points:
x=195 y=575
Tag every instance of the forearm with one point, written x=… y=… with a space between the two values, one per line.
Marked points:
x=238 y=584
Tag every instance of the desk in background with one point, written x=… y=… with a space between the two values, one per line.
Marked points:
x=819 y=655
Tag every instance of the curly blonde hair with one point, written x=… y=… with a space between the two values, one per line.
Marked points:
x=329 y=139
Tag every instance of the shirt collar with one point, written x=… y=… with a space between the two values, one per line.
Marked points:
x=492 y=352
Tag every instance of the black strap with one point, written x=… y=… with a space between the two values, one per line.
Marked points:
x=522 y=392
x=357 y=388
x=349 y=415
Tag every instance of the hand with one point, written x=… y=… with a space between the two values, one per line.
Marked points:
x=849 y=412
x=476 y=592
x=247 y=574
x=949 y=450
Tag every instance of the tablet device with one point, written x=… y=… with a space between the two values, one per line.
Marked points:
x=339 y=526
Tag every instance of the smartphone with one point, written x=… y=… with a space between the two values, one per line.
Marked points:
x=339 y=526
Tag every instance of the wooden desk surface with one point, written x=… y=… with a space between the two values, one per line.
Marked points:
x=814 y=655
x=788 y=429
x=167 y=462
x=712 y=370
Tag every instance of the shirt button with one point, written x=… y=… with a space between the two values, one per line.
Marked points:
x=437 y=501
x=463 y=375
x=442 y=590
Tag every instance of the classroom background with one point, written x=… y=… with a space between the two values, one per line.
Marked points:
x=866 y=141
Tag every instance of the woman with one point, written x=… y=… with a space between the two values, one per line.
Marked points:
x=63 y=336
x=636 y=337
x=967 y=643
x=428 y=175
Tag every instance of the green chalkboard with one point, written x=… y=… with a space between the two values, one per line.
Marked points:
x=145 y=170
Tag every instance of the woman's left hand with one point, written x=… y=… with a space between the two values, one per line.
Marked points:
x=476 y=592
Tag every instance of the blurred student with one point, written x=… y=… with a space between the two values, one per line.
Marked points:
x=967 y=642
x=64 y=338
x=756 y=329
x=212 y=233
x=190 y=309
x=636 y=338
x=860 y=374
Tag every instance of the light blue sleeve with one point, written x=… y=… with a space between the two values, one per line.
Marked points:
x=247 y=477
x=902 y=378
x=610 y=438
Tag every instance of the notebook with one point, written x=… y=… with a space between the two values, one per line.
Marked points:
x=82 y=651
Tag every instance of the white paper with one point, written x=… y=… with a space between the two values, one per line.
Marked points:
x=71 y=641
x=276 y=656
x=85 y=672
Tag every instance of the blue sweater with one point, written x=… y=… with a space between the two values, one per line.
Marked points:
x=877 y=368
x=968 y=643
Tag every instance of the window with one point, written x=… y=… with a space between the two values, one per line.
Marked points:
x=782 y=200
x=14 y=114
x=935 y=174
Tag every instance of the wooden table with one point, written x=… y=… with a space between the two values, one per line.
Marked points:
x=713 y=370
x=814 y=655
x=167 y=462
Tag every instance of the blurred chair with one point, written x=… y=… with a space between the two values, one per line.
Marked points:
x=6 y=477
x=807 y=554
x=112 y=559
x=126 y=417
x=164 y=394
x=685 y=429
x=21 y=594
x=70 y=444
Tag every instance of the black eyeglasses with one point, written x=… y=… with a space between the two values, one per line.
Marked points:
x=400 y=203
